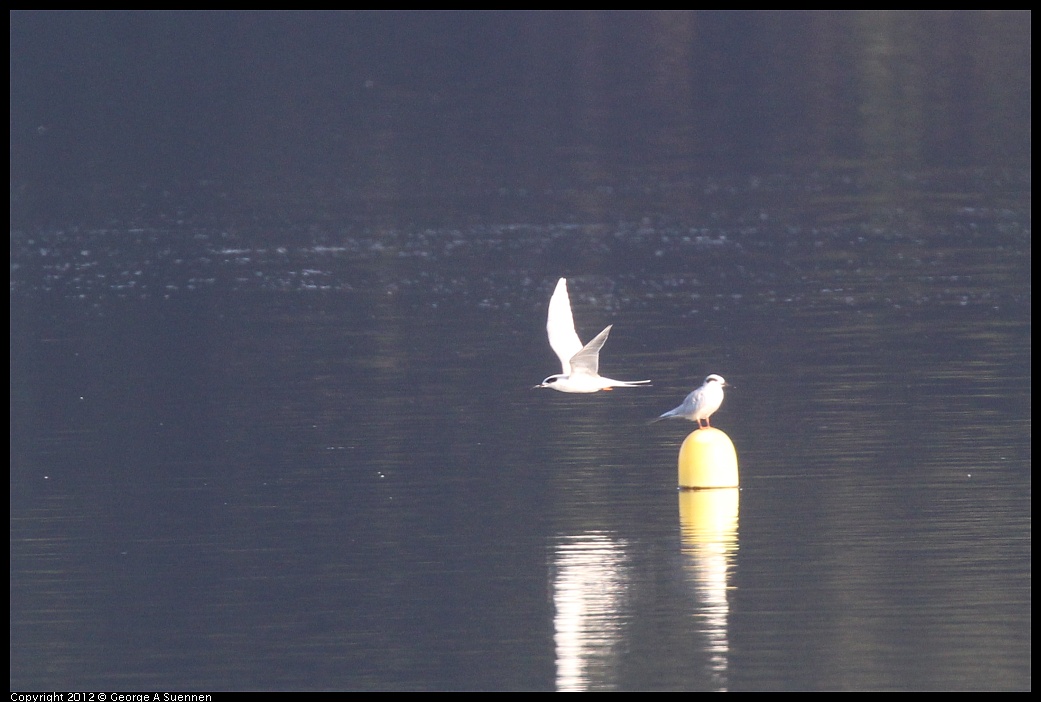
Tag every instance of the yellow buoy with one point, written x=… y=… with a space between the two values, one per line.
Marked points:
x=708 y=460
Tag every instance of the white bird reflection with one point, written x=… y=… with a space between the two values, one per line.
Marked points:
x=589 y=586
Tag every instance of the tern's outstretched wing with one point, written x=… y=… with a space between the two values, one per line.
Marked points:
x=560 y=326
x=588 y=359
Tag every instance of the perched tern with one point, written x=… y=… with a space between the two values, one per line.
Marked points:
x=700 y=404
x=580 y=363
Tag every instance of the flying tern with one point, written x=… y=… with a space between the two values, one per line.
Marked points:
x=580 y=363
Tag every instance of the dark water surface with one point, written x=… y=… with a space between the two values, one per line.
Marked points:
x=272 y=416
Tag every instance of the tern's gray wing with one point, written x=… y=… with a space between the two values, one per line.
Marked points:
x=684 y=410
x=588 y=359
x=694 y=400
x=560 y=326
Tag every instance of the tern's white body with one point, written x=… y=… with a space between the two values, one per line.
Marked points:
x=580 y=364
x=700 y=404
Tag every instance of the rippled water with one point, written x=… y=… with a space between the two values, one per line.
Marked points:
x=312 y=469
x=281 y=434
